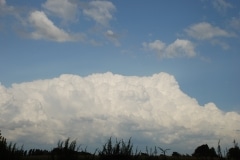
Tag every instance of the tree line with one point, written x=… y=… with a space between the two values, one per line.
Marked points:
x=118 y=150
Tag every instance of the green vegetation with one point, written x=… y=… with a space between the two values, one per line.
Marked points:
x=120 y=150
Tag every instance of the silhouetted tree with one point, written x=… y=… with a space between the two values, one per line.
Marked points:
x=204 y=151
x=234 y=153
x=212 y=152
x=176 y=154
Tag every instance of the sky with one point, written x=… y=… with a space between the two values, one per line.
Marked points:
x=122 y=65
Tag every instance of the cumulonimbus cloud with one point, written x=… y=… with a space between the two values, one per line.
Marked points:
x=151 y=110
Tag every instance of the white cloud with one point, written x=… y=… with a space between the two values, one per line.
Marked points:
x=6 y=9
x=157 y=46
x=222 y=44
x=63 y=9
x=100 y=11
x=221 y=5
x=213 y=34
x=2 y=2
x=93 y=108
x=205 y=31
x=44 y=28
x=235 y=23
x=113 y=37
x=179 y=48
x=42 y=24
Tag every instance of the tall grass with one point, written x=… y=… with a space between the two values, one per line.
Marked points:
x=9 y=151
x=111 y=150
x=65 y=150
x=120 y=150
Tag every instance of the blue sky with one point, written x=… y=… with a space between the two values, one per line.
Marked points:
x=114 y=43
x=195 y=41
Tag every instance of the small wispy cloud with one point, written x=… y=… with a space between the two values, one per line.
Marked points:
x=112 y=37
x=220 y=43
x=100 y=11
x=63 y=9
x=44 y=28
x=221 y=5
x=179 y=48
x=2 y=2
x=204 y=31
x=43 y=24
x=5 y=9
x=235 y=23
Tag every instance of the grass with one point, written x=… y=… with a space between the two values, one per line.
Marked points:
x=111 y=150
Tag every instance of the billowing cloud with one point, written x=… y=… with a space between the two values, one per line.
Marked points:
x=179 y=48
x=44 y=28
x=152 y=110
x=63 y=9
x=100 y=11
x=205 y=31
